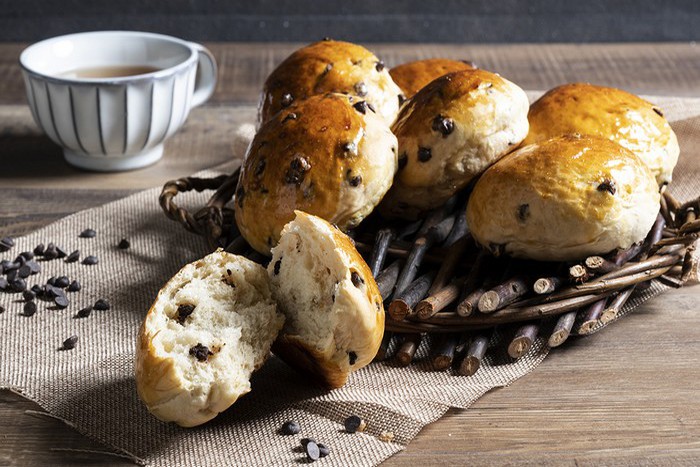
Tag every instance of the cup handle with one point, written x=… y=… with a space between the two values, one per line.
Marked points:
x=206 y=74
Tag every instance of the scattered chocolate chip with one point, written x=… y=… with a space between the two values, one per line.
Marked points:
x=62 y=282
x=50 y=252
x=101 y=305
x=443 y=124
x=85 y=312
x=51 y=281
x=354 y=423
x=38 y=290
x=2 y=309
x=327 y=69
x=278 y=263
x=361 y=107
x=61 y=301
x=260 y=167
x=183 y=311
x=60 y=253
x=289 y=116
x=39 y=249
x=323 y=450
x=312 y=451
x=27 y=255
x=287 y=100
x=658 y=111
x=87 y=233
x=201 y=352
x=18 y=285
x=424 y=154
x=11 y=275
x=350 y=147
x=357 y=281
x=3 y=283
x=305 y=441
x=371 y=107
x=8 y=265
x=360 y=89
x=29 y=308
x=69 y=343
x=28 y=295
x=379 y=66
x=607 y=185
x=74 y=286
x=34 y=266
x=123 y=244
x=24 y=271
x=290 y=428
x=90 y=260
x=53 y=291
x=73 y=257
x=523 y=212
x=355 y=181
x=6 y=243
x=352 y=357
x=297 y=170
x=402 y=99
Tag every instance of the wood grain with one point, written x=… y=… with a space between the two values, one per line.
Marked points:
x=605 y=399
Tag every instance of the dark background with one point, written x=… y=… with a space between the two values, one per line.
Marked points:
x=362 y=20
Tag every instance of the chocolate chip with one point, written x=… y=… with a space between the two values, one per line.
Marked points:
x=356 y=279
x=39 y=249
x=402 y=99
x=607 y=185
x=85 y=312
x=51 y=281
x=355 y=181
x=523 y=212
x=73 y=257
x=62 y=282
x=287 y=100
x=38 y=290
x=60 y=253
x=312 y=451
x=90 y=260
x=69 y=343
x=53 y=291
x=18 y=285
x=424 y=154
x=323 y=450
x=361 y=107
x=443 y=124
x=350 y=147
x=658 y=111
x=278 y=263
x=24 y=271
x=201 y=352
x=8 y=266
x=50 y=252
x=328 y=68
x=28 y=255
x=61 y=301
x=2 y=309
x=29 y=308
x=297 y=170
x=123 y=244
x=403 y=160
x=6 y=243
x=3 y=283
x=326 y=39
x=34 y=267
x=260 y=167
x=183 y=311
x=354 y=423
x=87 y=233
x=352 y=357
x=371 y=107
x=28 y=295
x=379 y=66
x=101 y=305
x=360 y=89
x=240 y=194
x=289 y=116
x=305 y=441
x=74 y=286
x=290 y=428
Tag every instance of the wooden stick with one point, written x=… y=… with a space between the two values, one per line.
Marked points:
x=687 y=239
x=690 y=215
x=387 y=278
x=578 y=274
x=624 y=256
x=690 y=227
x=615 y=306
x=453 y=258
x=444 y=351
x=671 y=281
x=689 y=270
x=562 y=329
x=673 y=205
x=459 y=229
x=599 y=265
x=237 y=246
x=665 y=212
x=591 y=316
x=471 y=283
x=397 y=250
x=383 y=351
x=546 y=285
x=437 y=301
x=524 y=337
x=402 y=305
x=635 y=267
x=381 y=246
x=503 y=294
x=475 y=354
x=408 y=349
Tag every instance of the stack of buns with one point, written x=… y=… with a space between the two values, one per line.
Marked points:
x=340 y=135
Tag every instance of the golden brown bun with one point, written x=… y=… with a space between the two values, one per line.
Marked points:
x=411 y=77
x=335 y=315
x=329 y=155
x=449 y=133
x=564 y=199
x=611 y=113
x=330 y=66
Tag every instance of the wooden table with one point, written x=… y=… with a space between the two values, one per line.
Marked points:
x=628 y=395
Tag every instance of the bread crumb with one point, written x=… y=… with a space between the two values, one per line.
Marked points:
x=386 y=436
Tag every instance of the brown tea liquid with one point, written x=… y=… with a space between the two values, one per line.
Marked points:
x=109 y=71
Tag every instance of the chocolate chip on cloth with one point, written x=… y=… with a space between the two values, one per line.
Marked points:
x=330 y=66
x=450 y=132
x=332 y=160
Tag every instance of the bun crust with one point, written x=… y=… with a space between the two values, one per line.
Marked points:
x=329 y=155
x=564 y=199
x=611 y=113
x=449 y=133
x=335 y=317
x=330 y=66
x=411 y=77
x=209 y=328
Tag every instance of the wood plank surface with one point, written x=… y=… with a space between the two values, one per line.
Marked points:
x=626 y=396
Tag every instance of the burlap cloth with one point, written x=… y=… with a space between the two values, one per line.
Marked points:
x=92 y=386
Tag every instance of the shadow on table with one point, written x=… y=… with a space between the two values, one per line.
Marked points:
x=32 y=155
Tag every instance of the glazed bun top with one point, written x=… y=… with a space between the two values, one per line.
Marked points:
x=411 y=77
x=330 y=155
x=330 y=66
x=564 y=199
x=611 y=113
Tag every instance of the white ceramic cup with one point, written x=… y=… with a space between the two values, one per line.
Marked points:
x=115 y=123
